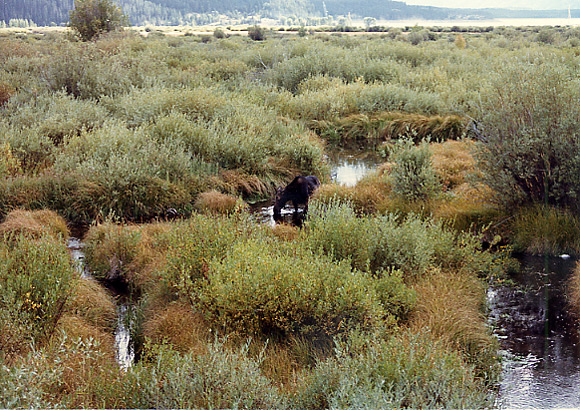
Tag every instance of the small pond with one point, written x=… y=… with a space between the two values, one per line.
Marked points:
x=539 y=339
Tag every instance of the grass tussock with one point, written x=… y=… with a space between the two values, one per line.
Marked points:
x=215 y=202
x=34 y=224
x=93 y=303
x=178 y=325
x=452 y=161
x=457 y=318
x=545 y=230
x=388 y=126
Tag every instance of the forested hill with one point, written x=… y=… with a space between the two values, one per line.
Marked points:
x=199 y=12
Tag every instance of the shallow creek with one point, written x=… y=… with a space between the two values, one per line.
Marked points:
x=124 y=351
x=539 y=339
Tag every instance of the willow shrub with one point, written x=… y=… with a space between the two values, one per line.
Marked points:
x=528 y=129
x=37 y=278
x=403 y=371
x=219 y=378
x=413 y=177
x=378 y=244
x=253 y=283
x=257 y=289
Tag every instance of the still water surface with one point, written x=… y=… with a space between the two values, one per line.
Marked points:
x=539 y=339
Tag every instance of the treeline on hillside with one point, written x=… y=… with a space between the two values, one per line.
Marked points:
x=201 y=12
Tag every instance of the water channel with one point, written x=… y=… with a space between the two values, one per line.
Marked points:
x=539 y=338
x=124 y=350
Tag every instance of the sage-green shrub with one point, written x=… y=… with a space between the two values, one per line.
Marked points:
x=413 y=177
x=259 y=289
x=398 y=371
x=37 y=278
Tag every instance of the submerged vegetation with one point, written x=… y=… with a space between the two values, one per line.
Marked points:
x=156 y=144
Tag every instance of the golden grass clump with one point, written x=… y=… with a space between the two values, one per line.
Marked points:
x=452 y=161
x=238 y=181
x=149 y=254
x=328 y=192
x=85 y=355
x=450 y=306
x=392 y=125
x=285 y=232
x=574 y=291
x=92 y=303
x=179 y=325
x=214 y=202
x=543 y=229
x=34 y=224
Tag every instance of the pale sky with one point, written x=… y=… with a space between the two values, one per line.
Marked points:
x=513 y=4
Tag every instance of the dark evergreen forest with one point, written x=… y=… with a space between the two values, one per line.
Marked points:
x=142 y=12
x=176 y=12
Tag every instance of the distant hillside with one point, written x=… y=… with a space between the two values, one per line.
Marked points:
x=175 y=12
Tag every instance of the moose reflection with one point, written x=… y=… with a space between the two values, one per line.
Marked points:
x=298 y=191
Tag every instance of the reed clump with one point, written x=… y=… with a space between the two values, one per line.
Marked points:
x=544 y=229
x=34 y=224
x=388 y=126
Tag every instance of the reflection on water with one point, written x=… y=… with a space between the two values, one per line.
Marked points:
x=125 y=354
x=75 y=245
x=349 y=166
x=540 y=341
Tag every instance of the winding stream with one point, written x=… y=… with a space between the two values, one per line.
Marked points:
x=124 y=351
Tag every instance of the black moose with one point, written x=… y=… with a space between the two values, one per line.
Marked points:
x=298 y=191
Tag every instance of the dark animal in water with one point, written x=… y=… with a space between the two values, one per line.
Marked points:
x=298 y=191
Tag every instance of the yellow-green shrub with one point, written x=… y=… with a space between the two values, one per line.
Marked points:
x=37 y=279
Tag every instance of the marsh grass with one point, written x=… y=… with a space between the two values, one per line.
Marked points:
x=545 y=230
x=179 y=326
x=457 y=319
x=34 y=224
x=214 y=202
x=93 y=304
x=388 y=126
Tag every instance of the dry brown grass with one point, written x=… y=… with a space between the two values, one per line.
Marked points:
x=452 y=161
x=450 y=306
x=246 y=184
x=574 y=291
x=392 y=125
x=34 y=224
x=149 y=255
x=86 y=358
x=93 y=303
x=285 y=232
x=214 y=202
x=178 y=325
